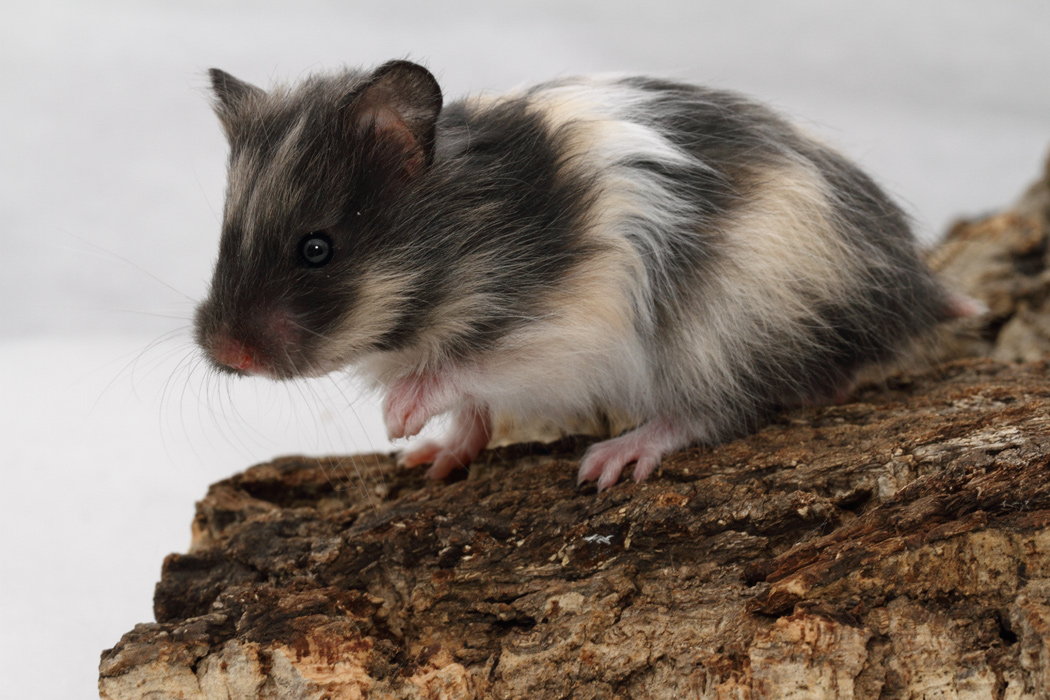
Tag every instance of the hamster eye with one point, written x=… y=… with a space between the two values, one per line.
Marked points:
x=315 y=249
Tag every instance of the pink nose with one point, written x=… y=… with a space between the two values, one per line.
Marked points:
x=234 y=355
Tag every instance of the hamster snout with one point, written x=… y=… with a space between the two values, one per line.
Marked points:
x=258 y=344
x=671 y=262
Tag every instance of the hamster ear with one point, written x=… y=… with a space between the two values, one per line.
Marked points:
x=231 y=97
x=401 y=101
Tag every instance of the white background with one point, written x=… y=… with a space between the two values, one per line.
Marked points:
x=111 y=179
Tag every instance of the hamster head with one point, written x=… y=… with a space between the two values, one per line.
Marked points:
x=303 y=283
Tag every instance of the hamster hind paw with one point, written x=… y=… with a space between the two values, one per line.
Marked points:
x=645 y=446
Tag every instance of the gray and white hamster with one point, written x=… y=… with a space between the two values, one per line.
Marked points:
x=672 y=261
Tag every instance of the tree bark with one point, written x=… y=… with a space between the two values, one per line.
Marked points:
x=895 y=546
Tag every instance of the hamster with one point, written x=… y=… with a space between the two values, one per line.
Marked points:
x=674 y=262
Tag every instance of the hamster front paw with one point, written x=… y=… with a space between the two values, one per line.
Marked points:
x=411 y=402
x=470 y=433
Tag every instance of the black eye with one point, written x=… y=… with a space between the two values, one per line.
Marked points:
x=315 y=249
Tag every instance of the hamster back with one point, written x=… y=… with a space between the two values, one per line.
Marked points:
x=672 y=261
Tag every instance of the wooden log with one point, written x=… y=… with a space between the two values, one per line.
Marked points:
x=894 y=546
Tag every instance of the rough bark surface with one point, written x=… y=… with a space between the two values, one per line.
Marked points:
x=895 y=546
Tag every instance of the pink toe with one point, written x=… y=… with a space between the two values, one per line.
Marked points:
x=444 y=465
x=423 y=454
x=644 y=467
x=591 y=467
x=610 y=475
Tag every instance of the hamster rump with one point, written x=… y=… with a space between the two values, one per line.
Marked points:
x=672 y=261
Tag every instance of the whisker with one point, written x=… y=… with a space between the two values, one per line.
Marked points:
x=134 y=264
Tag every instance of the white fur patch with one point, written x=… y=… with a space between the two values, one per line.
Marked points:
x=781 y=253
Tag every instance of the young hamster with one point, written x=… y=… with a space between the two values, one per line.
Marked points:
x=672 y=261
